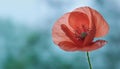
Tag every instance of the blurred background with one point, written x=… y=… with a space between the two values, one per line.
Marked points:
x=26 y=42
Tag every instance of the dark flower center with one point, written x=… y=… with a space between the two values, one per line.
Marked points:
x=81 y=33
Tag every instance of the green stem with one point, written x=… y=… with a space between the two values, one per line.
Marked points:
x=88 y=58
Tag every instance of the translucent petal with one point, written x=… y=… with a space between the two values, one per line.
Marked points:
x=68 y=46
x=77 y=20
x=94 y=46
x=102 y=27
x=58 y=34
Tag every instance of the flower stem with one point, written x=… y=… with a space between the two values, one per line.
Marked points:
x=88 y=58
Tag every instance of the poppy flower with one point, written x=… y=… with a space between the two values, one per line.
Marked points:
x=76 y=30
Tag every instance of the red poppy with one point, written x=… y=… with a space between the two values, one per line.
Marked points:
x=76 y=30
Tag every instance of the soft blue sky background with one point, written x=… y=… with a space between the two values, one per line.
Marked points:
x=31 y=11
x=26 y=42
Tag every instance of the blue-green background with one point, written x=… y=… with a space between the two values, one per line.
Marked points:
x=26 y=42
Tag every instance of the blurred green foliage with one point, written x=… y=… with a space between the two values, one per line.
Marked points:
x=27 y=49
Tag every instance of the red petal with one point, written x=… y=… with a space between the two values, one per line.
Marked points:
x=89 y=38
x=94 y=46
x=68 y=46
x=70 y=34
x=77 y=19
x=80 y=16
x=58 y=34
x=102 y=27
